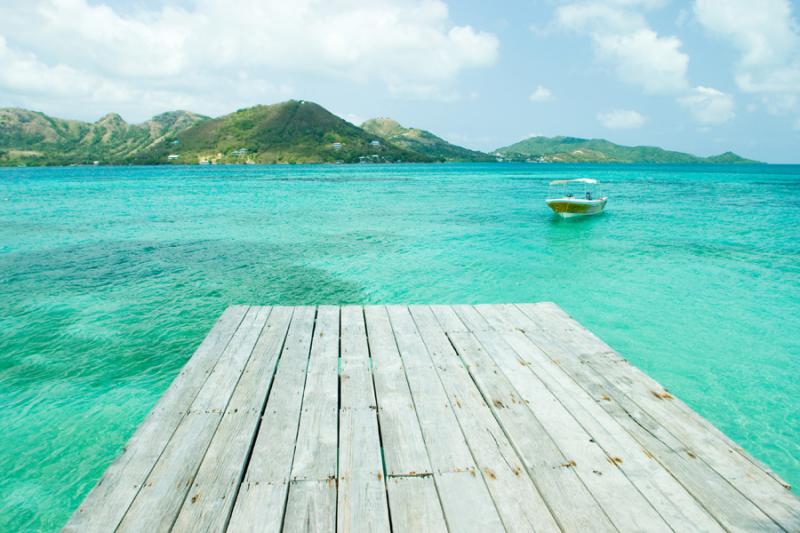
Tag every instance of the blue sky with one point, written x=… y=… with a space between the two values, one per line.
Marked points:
x=703 y=76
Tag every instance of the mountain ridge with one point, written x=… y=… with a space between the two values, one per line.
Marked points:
x=422 y=141
x=565 y=149
x=295 y=131
x=32 y=137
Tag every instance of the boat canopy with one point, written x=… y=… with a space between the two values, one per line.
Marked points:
x=577 y=180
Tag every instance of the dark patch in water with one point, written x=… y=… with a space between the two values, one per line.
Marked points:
x=73 y=315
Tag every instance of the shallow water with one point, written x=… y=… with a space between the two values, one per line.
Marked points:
x=109 y=277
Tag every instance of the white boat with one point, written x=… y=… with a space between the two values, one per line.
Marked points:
x=569 y=202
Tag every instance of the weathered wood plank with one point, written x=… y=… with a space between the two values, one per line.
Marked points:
x=465 y=498
x=517 y=499
x=568 y=498
x=260 y=503
x=471 y=319
x=619 y=498
x=569 y=325
x=448 y=318
x=414 y=505
x=355 y=362
x=447 y=448
x=576 y=328
x=311 y=504
x=726 y=504
x=678 y=508
x=491 y=418
x=362 y=503
x=311 y=507
x=209 y=502
x=315 y=455
x=382 y=346
x=260 y=506
x=404 y=448
x=108 y=501
x=758 y=486
x=157 y=503
x=466 y=502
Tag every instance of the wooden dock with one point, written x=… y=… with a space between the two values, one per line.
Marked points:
x=425 y=418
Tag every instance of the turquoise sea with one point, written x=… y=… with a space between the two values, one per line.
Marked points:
x=110 y=277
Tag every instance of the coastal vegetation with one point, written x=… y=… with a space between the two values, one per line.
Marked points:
x=33 y=138
x=296 y=131
x=422 y=141
x=289 y=132
x=577 y=150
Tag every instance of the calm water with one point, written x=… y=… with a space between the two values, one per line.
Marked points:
x=109 y=277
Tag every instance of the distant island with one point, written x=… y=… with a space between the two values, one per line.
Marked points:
x=576 y=150
x=296 y=131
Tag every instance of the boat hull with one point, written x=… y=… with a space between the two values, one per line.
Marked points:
x=573 y=207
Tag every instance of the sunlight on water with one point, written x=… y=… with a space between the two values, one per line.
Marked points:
x=112 y=276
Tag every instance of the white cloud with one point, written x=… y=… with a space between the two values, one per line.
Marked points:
x=622 y=38
x=597 y=17
x=708 y=105
x=656 y=63
x=27 y=81
x=24 y=73
x=761 y=30
x=541 y=94
x=766 y=35
x=250 y=47
x=640 y=56
x=621 y=119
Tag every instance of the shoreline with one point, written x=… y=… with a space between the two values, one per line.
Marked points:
x=699 y=164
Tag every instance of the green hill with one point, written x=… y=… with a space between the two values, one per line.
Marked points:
x=289 y=132
x=728 y=158
x=33 y=138
x=576 y=150
x=421 y=141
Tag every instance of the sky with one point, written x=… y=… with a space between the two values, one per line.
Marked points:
x=702 y=76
